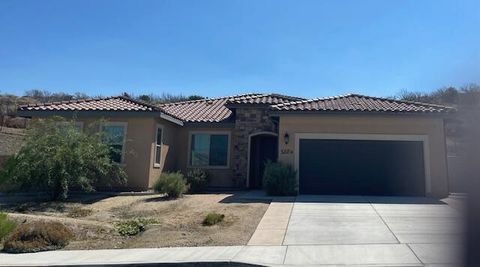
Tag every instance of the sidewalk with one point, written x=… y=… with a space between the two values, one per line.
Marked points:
x=360 y=255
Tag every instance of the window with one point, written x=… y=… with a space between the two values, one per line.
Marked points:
x=209 y=150
x=115 y=138
x=158 y=145
x=78 y=125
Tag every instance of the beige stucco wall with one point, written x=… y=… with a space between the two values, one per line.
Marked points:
x=169 y=149
x=138 y=145
x=139 y=153
x=387 y=125
x=140 y=148
x=219 y=177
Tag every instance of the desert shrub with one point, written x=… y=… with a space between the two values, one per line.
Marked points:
x=6 y=226
x=130 y=227
x=78 y=212
x=172 y=184
x=279 y=179
x=213 y=218
x=38 y=236
x=146 y=221
x=56 y=156
x=197 y=179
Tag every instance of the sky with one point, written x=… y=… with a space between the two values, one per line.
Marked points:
x=224 y=47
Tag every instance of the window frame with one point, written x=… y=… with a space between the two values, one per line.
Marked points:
x=159 y=164
x=77 y=124
x=189 y=149
x=124 y=142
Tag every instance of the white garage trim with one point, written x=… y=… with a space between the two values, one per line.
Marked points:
x=378 y=137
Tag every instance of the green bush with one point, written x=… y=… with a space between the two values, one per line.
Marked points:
x=279 y=179
x=56 y=156
x=38 y=236
x=197 y=179
x=130 y=227
x=172 y=184
x=6 y=226
x=213 y=218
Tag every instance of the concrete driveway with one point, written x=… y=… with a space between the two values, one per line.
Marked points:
x=307 y=231
x=362 y=230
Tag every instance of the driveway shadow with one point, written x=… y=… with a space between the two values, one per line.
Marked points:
x=238 y=198
x=257 y=196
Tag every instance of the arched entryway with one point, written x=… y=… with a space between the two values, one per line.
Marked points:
x=263 y=147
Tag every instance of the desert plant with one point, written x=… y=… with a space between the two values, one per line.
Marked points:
x=213 y=218
x=78 y=212
x=197 y=180
x=147 y=221
x=38 y=236
x=279 y=179
x=6 y=226
x=56 y=156
x=130 y=227
x=172 y=184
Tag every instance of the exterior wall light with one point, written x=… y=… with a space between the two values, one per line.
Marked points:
x=286 y=138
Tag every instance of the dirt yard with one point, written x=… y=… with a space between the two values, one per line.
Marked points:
x=171 y=222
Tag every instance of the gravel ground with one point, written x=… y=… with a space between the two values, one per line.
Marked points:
x=174 y=222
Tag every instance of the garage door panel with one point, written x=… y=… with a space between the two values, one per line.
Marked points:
x=361 y=167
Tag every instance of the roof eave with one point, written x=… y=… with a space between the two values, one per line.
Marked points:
x=221 y=124
x=171 y=119
x=98 y=113
x=275 y=113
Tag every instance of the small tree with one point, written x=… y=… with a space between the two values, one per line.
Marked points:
x=56 y=157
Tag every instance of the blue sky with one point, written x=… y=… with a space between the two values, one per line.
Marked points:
x=217 y=48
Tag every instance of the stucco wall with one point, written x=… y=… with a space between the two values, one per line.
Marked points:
x=140 y=151
x=138 y=146
x=220 y=177
x=169 y=149
x=388 y=125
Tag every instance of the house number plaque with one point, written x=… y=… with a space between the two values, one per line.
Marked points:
x=286 y=151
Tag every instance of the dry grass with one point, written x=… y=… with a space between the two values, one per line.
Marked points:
x=38 y=236
x=78 y=212
x=167 y=222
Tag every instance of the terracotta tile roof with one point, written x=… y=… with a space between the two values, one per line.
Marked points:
x=212 y=110
x=270 y=99
x=360 y=103
x=216 y=110
x=118 y=103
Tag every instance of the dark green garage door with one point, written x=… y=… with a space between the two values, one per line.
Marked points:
x=361 y=167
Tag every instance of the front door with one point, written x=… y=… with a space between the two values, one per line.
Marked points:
x=262 y=149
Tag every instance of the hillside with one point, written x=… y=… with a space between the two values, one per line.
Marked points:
x=11 y=140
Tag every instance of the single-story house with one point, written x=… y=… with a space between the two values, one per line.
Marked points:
x=350 y=144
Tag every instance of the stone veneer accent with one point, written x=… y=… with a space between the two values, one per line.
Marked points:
x=248 y=121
